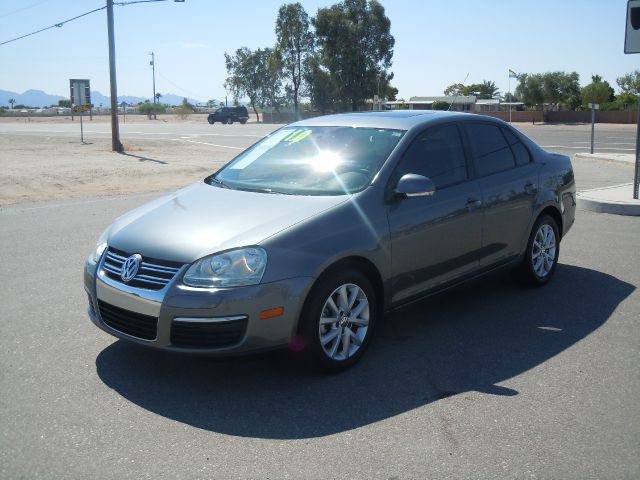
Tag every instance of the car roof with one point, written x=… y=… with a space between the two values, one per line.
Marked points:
x=397 y=119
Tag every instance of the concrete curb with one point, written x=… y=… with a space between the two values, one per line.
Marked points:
x=627 y=158
x=617 y=200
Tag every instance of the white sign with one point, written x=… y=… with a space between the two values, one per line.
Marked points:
x=632 y=35
x=594 y=105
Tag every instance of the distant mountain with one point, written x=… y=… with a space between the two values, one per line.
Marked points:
x=38 y=98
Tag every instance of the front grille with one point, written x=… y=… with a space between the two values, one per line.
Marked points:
x=153 y=274
x=131 y=323
x=207 y=334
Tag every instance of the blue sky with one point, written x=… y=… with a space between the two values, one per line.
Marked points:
x=437 y=42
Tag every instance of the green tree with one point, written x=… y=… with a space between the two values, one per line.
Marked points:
x=390 y=93
x=356 y=47
x=322 y=91
x=149 y=109
x=12 y=102
x=486 y=89
x=598 y=91
x=630 y=82
x=254 y=75
x=64 y=103
x=295 y=42
x=555 y=88
x=440 y=105
x=185 y=109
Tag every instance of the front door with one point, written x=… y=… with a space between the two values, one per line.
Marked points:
x=435 y=239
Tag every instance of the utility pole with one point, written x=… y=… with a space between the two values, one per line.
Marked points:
x=153 y=69
x=116 y=145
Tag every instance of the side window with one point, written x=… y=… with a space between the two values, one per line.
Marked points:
x=519 y=150
x=437 y=154
x=491 y=150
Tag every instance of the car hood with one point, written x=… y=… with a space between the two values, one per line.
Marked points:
x=202 y=219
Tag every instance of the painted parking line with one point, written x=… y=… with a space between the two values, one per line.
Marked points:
x=211 y=144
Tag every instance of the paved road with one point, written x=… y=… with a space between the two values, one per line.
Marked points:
x=490 y=380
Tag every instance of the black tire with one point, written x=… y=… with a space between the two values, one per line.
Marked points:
x=229 y=121
x=211 y=121
x=243 y=121
x=315 y=306
x=527 y=272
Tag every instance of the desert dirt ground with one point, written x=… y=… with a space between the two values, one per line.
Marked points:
x=46 y=160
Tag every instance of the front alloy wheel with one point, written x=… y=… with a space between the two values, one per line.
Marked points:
x=338 y=319
x=344 y=322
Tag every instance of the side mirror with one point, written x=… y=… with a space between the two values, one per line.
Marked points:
x=412 y=185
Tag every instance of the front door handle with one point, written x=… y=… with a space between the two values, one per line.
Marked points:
x=473 y=202
x=529 y=187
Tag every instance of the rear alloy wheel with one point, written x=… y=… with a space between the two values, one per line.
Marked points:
x=339 y=320
x=543 y=249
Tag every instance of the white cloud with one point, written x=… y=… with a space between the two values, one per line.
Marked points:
x=194 y=45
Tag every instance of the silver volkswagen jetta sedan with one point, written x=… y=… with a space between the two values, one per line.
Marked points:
x=306 y=238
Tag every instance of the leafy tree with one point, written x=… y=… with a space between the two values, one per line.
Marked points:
x=12 y=102
x=158 y=97
x=185 y=109
x=509 y=97
x=64 y=103
x=356 y=47
x=390 y=93
x=322 y=91
x=630 y=82
x=561 y=88
x=598 y=91
x=150 y=109
x=486 y=89
x=529 y=89
x=440 y=105
x=295 y=43
x=254 y=74
x=210 y=103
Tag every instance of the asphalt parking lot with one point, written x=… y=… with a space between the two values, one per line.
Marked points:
x=488 y=380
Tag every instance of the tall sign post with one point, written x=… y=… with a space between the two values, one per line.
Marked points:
x=632 y=45
x=80 y=94
x=593 y=107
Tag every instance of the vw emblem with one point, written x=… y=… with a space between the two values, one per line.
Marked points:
x=130 y=267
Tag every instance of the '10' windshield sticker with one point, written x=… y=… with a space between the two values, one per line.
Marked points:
x=297 y=135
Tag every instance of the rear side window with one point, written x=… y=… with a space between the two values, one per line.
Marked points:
x=491 y=150
x=437 y=154
x=519 y=150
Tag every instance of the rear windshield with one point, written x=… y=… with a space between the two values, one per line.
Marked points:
x=310 y=161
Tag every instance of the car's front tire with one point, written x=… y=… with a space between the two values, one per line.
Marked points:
x=243 y=121
x=229 y=121
x=211 y=121
x=338 y=320
x=543 y=249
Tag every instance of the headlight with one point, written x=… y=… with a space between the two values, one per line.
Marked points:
x=101 y=246
x=234 y=268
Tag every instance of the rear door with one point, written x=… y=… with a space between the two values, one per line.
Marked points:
x=509 y=183
x=435 y=239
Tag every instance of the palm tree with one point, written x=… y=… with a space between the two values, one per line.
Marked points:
x=158 y=95
x=12 y=101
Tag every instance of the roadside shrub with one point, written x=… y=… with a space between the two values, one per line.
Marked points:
x=149 y=108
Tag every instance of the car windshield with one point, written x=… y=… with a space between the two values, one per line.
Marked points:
x=310 y=161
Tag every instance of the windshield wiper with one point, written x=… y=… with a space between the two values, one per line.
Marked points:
x=219 y=182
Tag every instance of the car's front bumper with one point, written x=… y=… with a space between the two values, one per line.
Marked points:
x=200 y=307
